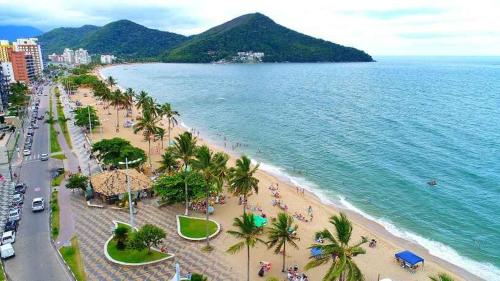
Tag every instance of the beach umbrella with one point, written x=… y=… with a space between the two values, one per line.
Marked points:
x=385 y=279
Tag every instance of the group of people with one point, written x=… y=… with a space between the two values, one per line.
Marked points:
x=293 y=274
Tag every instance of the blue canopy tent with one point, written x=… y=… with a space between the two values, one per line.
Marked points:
x=409 y=258
x=315 y=251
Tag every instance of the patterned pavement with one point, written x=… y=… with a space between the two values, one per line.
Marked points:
x=94 y=226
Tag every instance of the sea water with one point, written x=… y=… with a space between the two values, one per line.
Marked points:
x=369 y=136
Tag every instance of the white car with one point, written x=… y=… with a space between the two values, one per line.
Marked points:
x=26 y=152
x=8 y=237
x=38 y=204
x=44 y=157
x=7 y=251
x=14 y=215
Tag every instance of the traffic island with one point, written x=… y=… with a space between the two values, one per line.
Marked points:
x=194 y=228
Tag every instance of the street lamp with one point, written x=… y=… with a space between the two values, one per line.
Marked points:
x=126 y=163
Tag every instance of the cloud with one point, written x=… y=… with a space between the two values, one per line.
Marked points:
x=400 y=13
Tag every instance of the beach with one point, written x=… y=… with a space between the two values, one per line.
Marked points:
x=378 y=261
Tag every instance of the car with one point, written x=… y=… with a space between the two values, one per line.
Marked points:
x=10 y=226
x=8 y=237
x=20 y=188
x=7 y=251
x=14 y=215
x=26 y=152
x=31 y=133
x=41 y=117
x=18 y=199
x=44 y=157
x=36 y=126
x=38 y=204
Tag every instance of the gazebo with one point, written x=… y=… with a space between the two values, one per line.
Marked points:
x=109 y=185
x=409 y=259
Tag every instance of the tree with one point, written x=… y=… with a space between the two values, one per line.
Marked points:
x=117 y=99
x=185 y=149
x=198 y=277
x=148 y=236
x=128 y=99
x=160 y=134
x=337 y=250
x=112 y=151
x=168 y=162
x=283 y=231
x=141 y=99
x=82 y=116
x=147 y=123
x=111 y=81
x=242 y=180
x=77 y=181
x=171 y=187
x=441 y=277
x=121 y=236
x=248 y=234
x=167 y=111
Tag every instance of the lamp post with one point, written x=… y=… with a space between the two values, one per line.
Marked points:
x=126 y=163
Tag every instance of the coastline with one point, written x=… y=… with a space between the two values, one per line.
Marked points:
x=362 y=224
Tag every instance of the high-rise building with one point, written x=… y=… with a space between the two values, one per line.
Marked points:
x=30 y=46
x=19 y=66
x=4 y=90
x=107 y=59
x=7 y=70
x=4 y=47
x=82 y=57
x=30 y=67
x=69 y=56
x=56 y=58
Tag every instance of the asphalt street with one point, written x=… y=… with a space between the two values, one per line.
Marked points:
x=36 y=259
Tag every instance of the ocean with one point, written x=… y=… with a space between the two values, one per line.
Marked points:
x=366 y=136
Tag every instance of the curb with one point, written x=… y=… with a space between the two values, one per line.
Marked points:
x=109 y=258
x=196 y=218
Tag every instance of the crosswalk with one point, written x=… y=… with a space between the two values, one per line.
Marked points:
x=32 y=157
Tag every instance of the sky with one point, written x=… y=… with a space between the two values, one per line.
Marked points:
x=379 y=27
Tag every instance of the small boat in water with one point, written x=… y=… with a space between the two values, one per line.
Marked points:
x=432 y=182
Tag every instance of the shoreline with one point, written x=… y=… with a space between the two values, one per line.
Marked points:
x=360 y=220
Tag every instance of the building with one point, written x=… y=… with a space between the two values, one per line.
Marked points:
x=68 y=56
x=30 y=67
x=4 y=50
x=30 y=46
x=107 y=59
x=248 y=57
x=4 y=91
x=19 y=66
x=56 y=58
x=82 y=57
x=7 y=70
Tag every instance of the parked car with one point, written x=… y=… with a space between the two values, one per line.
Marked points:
x=14 y=215
x=18 y=198
x=7 y=251
x=44 y=157
x=8 y=237
x=36 y=126
x=20 y=188
x=10 y=226
x=26 y=152
x=38 y=204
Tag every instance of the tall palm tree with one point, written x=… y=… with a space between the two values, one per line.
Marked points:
x=248 y=233
x=185 y=150
x=141 y=99
x=338 y=251
x=117 y=99
x=167 y=111
x=111 y=81
x=128 y=100
x=441 y=277
x=282 y=232
x=147 y=123
x=160 y=134
x=242 y=180
x=168 y=162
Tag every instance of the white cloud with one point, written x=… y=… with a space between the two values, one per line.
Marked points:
x=383 y=27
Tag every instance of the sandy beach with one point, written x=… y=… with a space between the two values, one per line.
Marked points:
x=378 y=261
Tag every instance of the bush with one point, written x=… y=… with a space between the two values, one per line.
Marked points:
x=148 y=236
x=198 y=277
x=121 y=236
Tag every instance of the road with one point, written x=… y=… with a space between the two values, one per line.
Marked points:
x=36 y=259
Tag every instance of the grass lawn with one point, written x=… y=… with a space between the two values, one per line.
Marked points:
x=54 y=222
x=133 y=256
x=196 y=228
x=1 y=273
x=71 y=255
x=58 y=156
x=54 y=144
x=57 y=180
x=62 y=122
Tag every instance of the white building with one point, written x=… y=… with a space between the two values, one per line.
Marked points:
x=69 y=56
x=7 y=71
x=107 y=59
x=82 y=57
x=56 y=58
x=30 y=46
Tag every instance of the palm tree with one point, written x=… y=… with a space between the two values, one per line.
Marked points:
x=128 y=100
x=248 y=233
x=338 y=251
x=148 y=125
x=141 y=99
x=168 y=162
x=282 y=232
x=160 y=134
x=111 y=81
x=441 y=277
x=185 y=149
x=166 y=111
x=117 y=99
x=241 y=179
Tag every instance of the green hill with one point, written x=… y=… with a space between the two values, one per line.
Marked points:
x=258 y=33
x=122 y=38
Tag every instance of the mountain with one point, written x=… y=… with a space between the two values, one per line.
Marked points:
x=122 y=38
x=258 y=33
x=13 y=32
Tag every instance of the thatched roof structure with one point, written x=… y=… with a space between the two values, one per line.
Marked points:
x=114 y=182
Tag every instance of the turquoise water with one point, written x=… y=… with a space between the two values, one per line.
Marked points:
x=367 y=135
